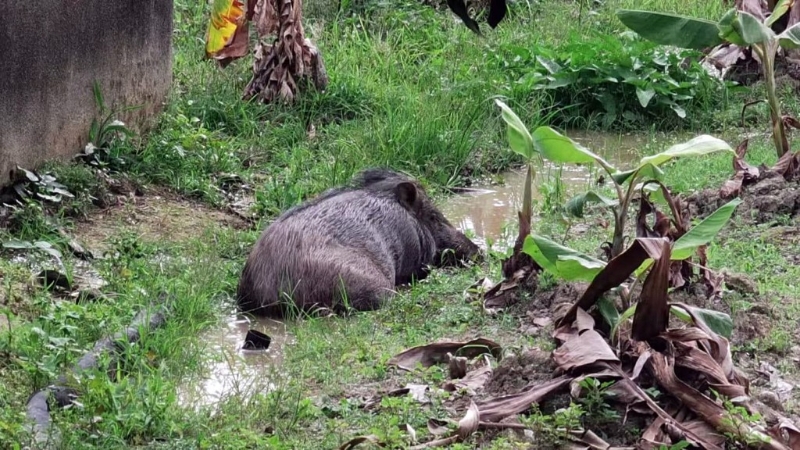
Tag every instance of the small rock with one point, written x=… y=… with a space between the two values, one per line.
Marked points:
x=771 y=399
x=542 y=321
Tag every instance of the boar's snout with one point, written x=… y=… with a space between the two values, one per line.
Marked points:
x=453 y=248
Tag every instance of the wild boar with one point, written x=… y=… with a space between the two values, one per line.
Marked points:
x=350 y=246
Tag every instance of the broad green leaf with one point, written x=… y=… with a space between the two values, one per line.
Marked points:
x=578 y=267
x=561 y=261
x=780 y=9
x=47 y=247
x=680 y=314
x=645 y=95
x=608 y=309
x=704 y=232
x=671 y=29
x=726 y=30
x=31 y=176
x=225 y=18
x=519 y=138
x=679 y=111
x=790 y=38
x=718 y=321
x=549 y=64
x=625 y=316
x=700 y=145
x=17 y=244
x=701 y=234
x=576 y=204
x=558 y=148
x=751 y=29
x=530 y=248
x=647 y=171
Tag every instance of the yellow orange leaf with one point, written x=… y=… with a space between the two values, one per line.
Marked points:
x=226 y=17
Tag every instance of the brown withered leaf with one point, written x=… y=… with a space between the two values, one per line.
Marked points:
x=474 y=380
x=499 y=408
x=788 y=165
x=719 y=347
x=418 y=392
x=787 y=432
x=353 y=443
x=504 y=293
x=469 y=423
x=436 y=353
x=743 y=173
x=280 y=68
x=725 y=55
x=754 y=7
x=790 y=122
x=652 y=312
x=588 y=440
x=733 y=187
x=662 y=367
x=614 y=273
x=585 y=349
x=438 y=427
x=237 y=48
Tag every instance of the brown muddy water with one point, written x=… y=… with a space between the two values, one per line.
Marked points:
x=485 y=211
x=482 y=211
x=228 y=370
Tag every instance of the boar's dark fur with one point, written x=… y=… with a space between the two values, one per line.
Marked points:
x=350 y=246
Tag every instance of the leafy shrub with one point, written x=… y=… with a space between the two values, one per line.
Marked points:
x=619 y=82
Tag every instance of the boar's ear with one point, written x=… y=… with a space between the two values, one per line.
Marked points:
x=406 y=194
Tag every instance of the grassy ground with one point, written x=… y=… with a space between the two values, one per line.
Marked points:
x=410 y=88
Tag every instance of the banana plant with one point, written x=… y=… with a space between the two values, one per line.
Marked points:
x=523 y=144
x=557 y=148
x=735 y=27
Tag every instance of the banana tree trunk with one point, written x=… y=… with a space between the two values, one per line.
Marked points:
x=291 y=61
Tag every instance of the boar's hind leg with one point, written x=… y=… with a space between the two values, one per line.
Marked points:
x=362 y=292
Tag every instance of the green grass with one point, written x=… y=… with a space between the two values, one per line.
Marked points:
x=410 y=88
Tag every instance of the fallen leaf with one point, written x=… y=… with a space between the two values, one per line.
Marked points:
x=438 y=427
x=663 y=370
x=582 y=350
x=474 y=380
x=496 y=409
x=469 y=423
x=352 y=443
x=589 y=438
x=436 y=353
x=418 y=392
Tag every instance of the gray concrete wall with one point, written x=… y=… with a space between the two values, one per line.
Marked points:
x=51 y=52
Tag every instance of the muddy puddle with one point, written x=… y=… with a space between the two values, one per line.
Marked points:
x=489 y=211
x=228 y=370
